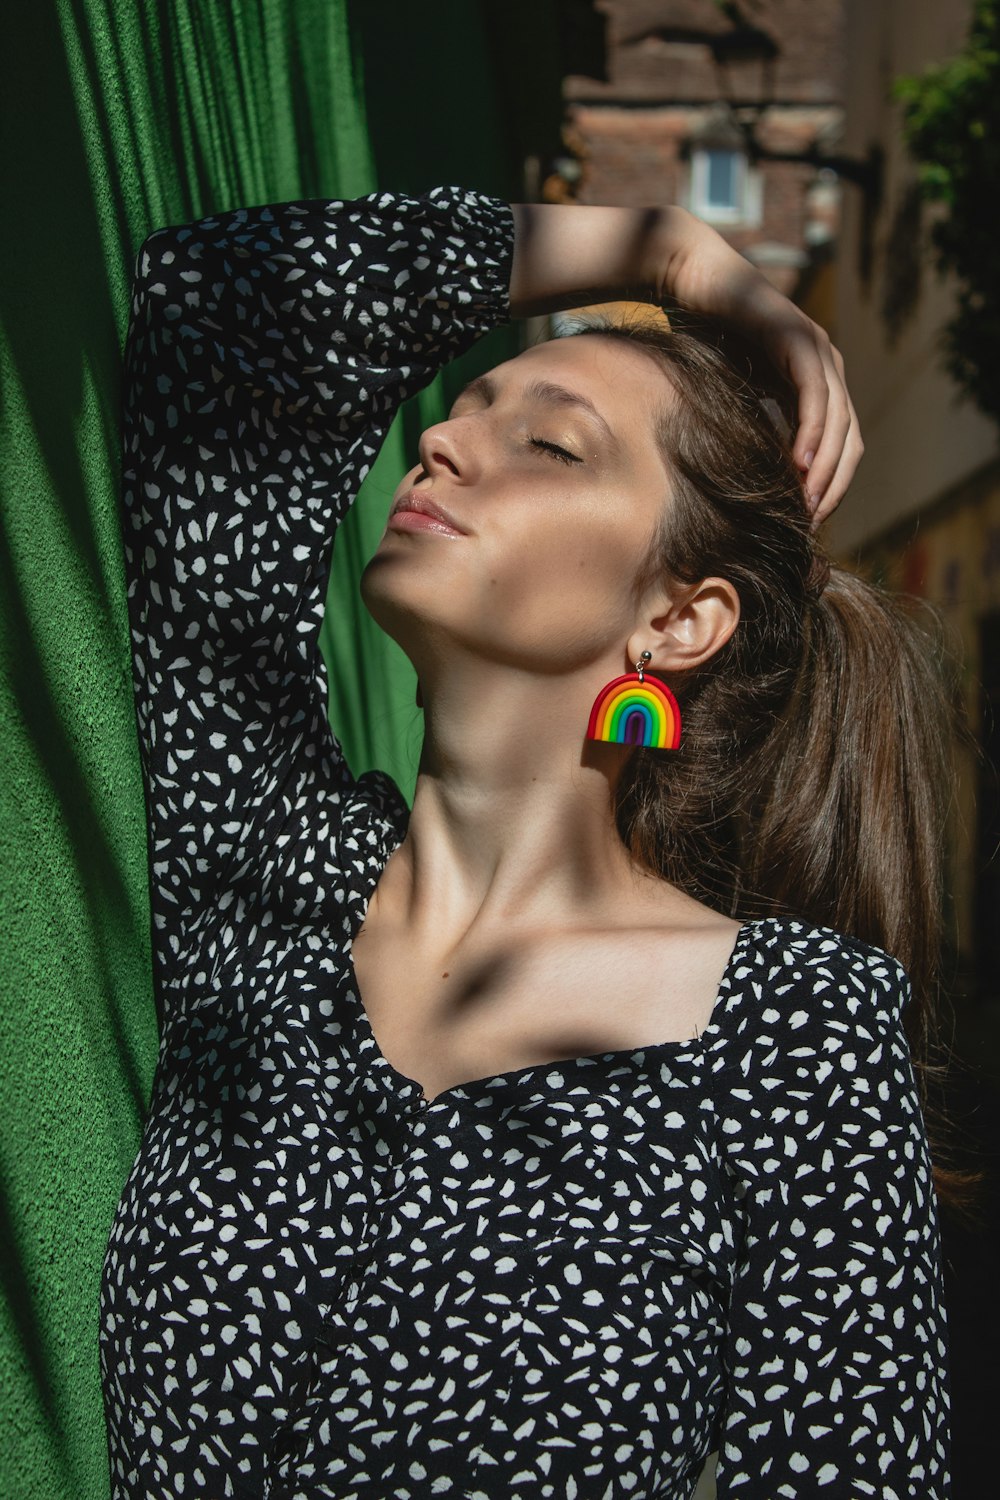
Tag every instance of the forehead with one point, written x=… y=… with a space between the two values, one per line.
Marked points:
x=626 y=385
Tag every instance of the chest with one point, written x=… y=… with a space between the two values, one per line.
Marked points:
x=491 y=1007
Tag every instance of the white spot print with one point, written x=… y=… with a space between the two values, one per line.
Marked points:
x=296 y=1299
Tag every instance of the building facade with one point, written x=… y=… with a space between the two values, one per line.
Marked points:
x=924 y=512
x=728 y=109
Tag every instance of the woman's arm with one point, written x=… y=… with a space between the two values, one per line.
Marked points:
x=268 y=349
x=565 y=256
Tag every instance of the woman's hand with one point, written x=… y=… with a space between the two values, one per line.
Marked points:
x=702 y=272
x=569 y=255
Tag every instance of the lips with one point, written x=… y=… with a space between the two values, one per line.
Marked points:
x=416 y=511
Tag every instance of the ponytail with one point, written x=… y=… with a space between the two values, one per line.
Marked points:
x=854 y=786
x=814 y=771
x=847 y=822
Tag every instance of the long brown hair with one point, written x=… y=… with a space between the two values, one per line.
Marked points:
x=815 y=765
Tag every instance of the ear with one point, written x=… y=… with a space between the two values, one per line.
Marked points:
x=687 y=627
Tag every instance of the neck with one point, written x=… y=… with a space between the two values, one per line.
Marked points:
x=513 y=812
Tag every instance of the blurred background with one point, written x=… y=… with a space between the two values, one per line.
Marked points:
x=849 y=148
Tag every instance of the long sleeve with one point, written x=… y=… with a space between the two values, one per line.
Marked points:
x=267 y=352
x=836 y=1354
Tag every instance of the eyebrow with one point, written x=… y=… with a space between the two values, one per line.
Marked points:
x=546 y=391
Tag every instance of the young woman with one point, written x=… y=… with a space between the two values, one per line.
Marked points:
x=494 y=1149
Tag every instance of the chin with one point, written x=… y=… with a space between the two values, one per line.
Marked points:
x=394 y=603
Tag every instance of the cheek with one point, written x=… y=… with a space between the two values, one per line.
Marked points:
x=564 y=582
x=548 y=585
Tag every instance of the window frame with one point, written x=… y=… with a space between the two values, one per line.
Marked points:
x=747 y=208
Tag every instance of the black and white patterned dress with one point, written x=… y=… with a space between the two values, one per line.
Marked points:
x=570 y=1280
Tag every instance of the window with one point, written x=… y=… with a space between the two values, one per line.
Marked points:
x=724 y=190
x=723 y=181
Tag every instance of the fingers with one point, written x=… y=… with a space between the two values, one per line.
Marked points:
x=709 y=276
x=809 y=376
x=832 y=444
x=828 y=444
x=850 y=457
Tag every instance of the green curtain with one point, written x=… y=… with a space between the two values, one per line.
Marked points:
x=118 y=116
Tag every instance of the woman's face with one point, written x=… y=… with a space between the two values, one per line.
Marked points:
x=523 y=530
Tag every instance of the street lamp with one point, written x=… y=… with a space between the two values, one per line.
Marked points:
x=744 y=43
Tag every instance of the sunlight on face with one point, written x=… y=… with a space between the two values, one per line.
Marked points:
x=521 y=533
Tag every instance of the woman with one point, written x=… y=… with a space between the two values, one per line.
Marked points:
x=484 y=1158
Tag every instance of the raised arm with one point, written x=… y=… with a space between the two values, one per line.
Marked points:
x=566 y=255
x=268 y=350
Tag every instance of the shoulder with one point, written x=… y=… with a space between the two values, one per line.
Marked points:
x=789 y=979
x=812 y=1081
x=376 y=814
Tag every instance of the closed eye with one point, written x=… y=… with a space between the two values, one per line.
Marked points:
x=563 y=454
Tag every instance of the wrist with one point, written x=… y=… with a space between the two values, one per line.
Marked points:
x=675 y=232
x=565 y=256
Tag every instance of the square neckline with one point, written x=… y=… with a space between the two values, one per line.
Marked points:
x=412 y=1089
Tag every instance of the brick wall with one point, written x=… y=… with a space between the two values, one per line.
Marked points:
x=659 y=49
x=684 y=74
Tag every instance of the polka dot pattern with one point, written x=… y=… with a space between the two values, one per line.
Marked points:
x=575 y=1279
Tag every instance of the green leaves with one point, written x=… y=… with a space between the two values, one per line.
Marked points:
x=951 y=124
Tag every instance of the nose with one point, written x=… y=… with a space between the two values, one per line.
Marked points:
x=441 y=452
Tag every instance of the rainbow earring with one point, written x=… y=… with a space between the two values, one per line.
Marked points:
x=634 y=710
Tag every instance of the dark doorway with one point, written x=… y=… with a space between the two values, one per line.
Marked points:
x=988 y=820
x=972 y=1106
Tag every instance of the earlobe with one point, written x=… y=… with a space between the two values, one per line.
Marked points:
x=695 y=625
